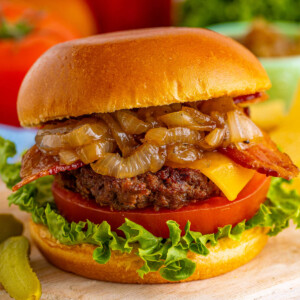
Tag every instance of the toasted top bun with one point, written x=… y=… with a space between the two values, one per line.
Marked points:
x=138 y=68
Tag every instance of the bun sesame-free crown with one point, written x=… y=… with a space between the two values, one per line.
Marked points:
x=137 y=68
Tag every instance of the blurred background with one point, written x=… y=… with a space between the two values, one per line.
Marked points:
x=269 y=28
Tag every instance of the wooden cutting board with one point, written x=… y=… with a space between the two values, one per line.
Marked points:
x=274 y=274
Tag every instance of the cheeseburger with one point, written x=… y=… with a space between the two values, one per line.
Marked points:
x=147 y=167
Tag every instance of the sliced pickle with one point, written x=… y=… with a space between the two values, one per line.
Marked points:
x=92 y=152
x=10 y=226
x=16 y=275
x=182 y=153
x=125 y=141
x=146 y=158
x=130 y=123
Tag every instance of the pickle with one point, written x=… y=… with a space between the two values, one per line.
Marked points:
x=9 y=226
x=16 y=275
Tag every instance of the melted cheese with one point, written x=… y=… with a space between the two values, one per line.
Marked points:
x=230 y=177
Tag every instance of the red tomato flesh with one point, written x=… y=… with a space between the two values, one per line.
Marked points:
x=205 y=216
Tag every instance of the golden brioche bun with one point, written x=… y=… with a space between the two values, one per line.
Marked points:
x=138 y=68
x=224 y=257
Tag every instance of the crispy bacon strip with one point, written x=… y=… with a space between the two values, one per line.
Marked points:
x=245 y=100
x=265 y=158
x=36 y=164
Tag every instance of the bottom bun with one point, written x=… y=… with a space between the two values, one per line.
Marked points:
x=226 y=256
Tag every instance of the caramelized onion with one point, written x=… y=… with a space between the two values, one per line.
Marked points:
x=199 y=117
x=182 y=119
x=130 y=123
x=163 y=136
x=146 y=158
x=92 y=152
x=157 y=136
x=183 y=135
x=218 y=118
x=181 y=153
x=154 y=111
x=193 y=105
x=174 y=132
x=176 y=106
x=223 y=104
x=158 y=159
x=125 y=141
x=50 y=143
x=242 y=128
x=68 y=157
x=58 y=127
x=85 y=132
x=150 y=114
x=215 y=138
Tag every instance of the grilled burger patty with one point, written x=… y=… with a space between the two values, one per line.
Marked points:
x=167 y=188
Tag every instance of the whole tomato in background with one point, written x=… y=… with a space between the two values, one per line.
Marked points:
x=75 y=13
x=25 y=34
x=114 y=15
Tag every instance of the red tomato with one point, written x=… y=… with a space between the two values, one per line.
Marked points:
x=205 y=217
x=18 y=54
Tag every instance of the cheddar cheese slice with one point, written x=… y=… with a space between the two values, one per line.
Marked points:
x=230 y=177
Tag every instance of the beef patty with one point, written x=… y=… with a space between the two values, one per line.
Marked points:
x=168 y=188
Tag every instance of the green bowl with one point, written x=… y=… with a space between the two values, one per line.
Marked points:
x=284 y=72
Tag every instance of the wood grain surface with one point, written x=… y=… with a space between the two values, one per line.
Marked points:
x=274 y=274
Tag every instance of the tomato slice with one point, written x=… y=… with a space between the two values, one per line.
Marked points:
x=205 y=216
